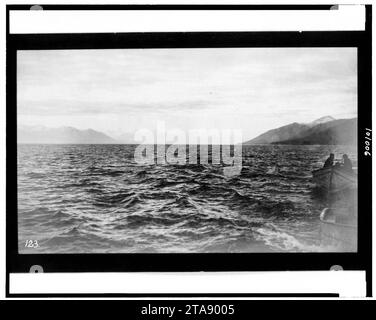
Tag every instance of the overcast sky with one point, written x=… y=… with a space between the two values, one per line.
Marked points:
x=120 y=91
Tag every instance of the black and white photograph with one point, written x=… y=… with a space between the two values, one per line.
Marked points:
x=187 y=150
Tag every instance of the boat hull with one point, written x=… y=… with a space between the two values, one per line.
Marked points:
x=334 y=179
x=341 y=236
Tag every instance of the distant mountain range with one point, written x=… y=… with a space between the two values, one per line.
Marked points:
x=325 y=131
x=63 y=135
x=126 y=138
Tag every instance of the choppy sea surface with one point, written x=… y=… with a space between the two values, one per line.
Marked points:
x=97 y=199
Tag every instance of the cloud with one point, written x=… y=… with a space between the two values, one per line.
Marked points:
x=221 y=86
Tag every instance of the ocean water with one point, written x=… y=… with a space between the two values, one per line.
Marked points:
x=97 y=199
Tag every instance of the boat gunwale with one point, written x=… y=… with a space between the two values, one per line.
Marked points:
x=322 y=219
x=345 y=174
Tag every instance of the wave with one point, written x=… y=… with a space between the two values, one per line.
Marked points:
x=131 y=201
x=97 y=199
x=282 y=240
x=114 y=198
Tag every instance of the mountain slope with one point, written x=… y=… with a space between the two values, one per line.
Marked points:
x=287 y=132
x=325 y=130
x=337 y=132
x=63 y=135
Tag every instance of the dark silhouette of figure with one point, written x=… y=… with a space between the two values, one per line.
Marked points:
x=329 y=161
x=347 y=165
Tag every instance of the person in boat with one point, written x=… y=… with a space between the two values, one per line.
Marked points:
x=329 y=162
x=347 y=165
